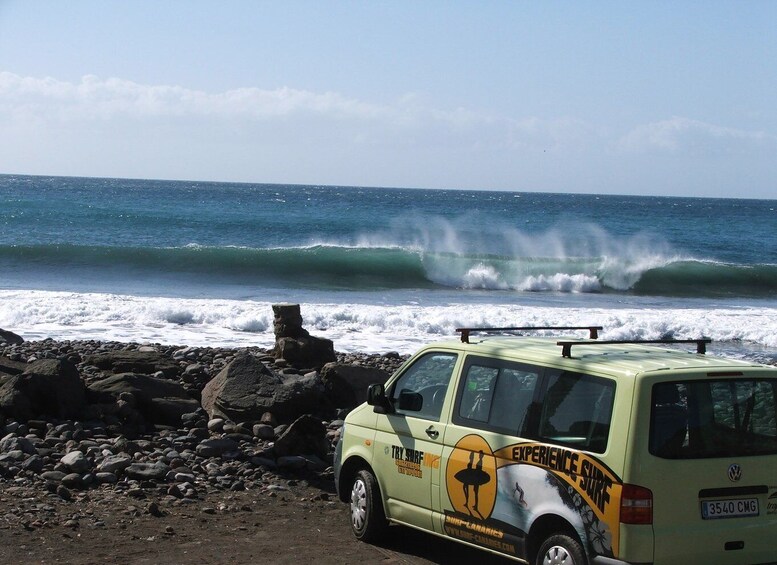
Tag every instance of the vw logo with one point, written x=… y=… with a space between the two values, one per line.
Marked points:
x=734 y=472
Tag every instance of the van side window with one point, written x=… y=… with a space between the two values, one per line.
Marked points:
x=478 y=393
x=576 y=411
x=421 y=389
x=496 y=396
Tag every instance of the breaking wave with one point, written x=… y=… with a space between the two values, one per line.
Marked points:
x=368 y=268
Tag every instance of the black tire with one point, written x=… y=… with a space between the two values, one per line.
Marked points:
x=368 y=520
x=561 y=549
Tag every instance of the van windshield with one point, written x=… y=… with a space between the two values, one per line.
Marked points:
x=714 y=418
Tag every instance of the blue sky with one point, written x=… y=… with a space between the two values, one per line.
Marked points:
x=598 y=97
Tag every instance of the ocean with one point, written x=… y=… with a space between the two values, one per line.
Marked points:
x=378 y=269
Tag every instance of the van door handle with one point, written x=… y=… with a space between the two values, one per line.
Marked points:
x=432 y=433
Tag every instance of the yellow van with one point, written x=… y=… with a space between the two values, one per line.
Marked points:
x=570 y=451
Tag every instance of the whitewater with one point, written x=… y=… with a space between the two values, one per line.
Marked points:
x=378 y=270
x=358 y=325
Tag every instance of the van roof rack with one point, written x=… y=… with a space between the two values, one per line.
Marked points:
x=593 y=331
x=701 y=344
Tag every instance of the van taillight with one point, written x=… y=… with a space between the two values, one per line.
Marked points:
x=636 y=505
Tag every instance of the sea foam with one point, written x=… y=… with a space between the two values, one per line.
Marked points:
x=354 y=326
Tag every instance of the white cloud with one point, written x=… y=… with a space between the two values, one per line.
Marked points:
x=683 y=135
x=116 y=127
x=47 y=100
x=95 y=98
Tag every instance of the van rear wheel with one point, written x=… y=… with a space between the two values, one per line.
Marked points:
x=368 y=520
x=561 y=549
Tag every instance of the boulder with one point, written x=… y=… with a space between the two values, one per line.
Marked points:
x=11 y=367
x=294 y=344
x=287 y=321
x=299 y=394
x=160 y=401
x=49 y=386
x=142 y=362
x=53 y=476
x=10 y=338
x=346 y=385
x=147 y=471
x=306 y=435
x=34 y=464
x=76 y=461
x=114 y=463
x=306 y=351
x=216 y=447
x=246 y=389
x=12 y=442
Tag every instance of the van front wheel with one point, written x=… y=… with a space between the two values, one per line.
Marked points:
x=560 y=549
x=368 y=520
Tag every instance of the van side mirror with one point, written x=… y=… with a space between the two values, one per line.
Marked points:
x=376 y=397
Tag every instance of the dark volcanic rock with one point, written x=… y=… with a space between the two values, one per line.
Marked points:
x=11 y=367
x=145 y=362
x=346 y=385
x=307 y=351
x=12 y=442
x=48 y=386
x=148 y=471
x=10 y=338
x=307 y=435
x=287 y=321
x=237 y=391
x=114 y=463
x=158 y=400
x=216 y=447
x=294 y=344
x=246 y=389
x=121 y=454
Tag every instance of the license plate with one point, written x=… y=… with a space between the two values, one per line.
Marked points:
x=731 y=508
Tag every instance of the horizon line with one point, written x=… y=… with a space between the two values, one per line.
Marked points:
x=374 y=187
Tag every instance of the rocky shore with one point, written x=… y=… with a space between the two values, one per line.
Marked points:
x=124 y=429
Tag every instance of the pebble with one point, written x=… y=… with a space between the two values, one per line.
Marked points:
x=64 y=493
x=108 y=454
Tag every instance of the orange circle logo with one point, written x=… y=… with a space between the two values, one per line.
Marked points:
x=470 y=477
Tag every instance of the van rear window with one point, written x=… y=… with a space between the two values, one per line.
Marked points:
x=714 y=418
